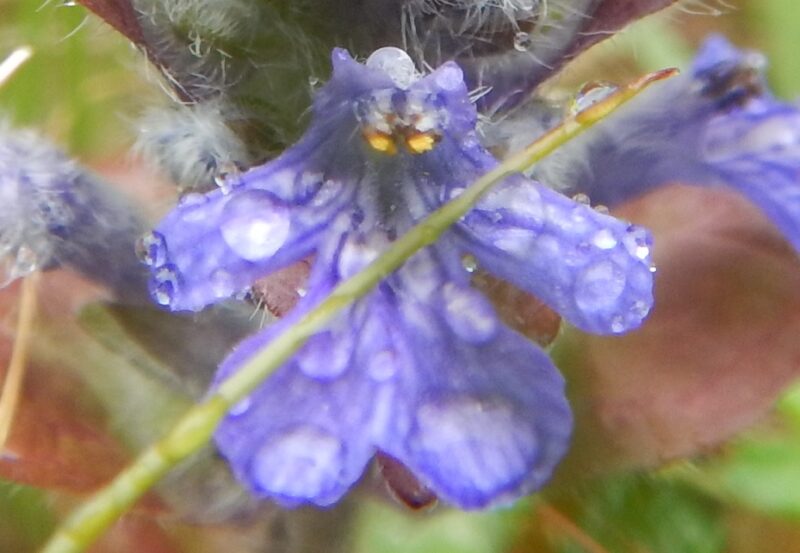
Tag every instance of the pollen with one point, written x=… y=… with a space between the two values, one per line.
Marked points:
x=419 y=143
x=381 y=142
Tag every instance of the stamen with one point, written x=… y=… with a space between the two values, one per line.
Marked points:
x=419 y=143
x=381 y=142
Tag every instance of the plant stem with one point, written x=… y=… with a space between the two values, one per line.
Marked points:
x=195 y=429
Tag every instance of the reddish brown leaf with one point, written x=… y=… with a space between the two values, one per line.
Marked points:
x=120 y=14
x=53 y=443
x=719 y=346
x=520 y=310
x=58 y=439
x=281 y=290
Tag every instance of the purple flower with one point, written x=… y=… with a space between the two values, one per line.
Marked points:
x=717 y=125
x=421 y=368
x=54 y=213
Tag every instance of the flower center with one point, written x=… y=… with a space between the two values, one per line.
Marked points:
x=391 y=119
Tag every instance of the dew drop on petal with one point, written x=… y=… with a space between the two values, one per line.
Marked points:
x=254 y=225
x=604 y=239
x=396 y=63
x=468 y=313
x=26 y=261
x=637 y=242
x=599 y=286
x=165 y=284
x=241 y=407
x=470 y=263
x=326 y=355
x=449 y=77
x=192 y=199
x=302 y=462
x=582 y=198
x=480 y=444
x=151 y=249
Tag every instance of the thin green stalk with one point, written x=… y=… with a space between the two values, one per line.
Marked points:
x=195 y=429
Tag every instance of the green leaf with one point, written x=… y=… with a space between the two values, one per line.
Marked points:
x=764 y=474
x=25 y=517
x=635 y=513
x=385 y=529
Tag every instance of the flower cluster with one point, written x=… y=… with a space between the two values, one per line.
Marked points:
x=421 y=369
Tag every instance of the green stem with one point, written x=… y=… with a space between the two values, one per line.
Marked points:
x=195 y=429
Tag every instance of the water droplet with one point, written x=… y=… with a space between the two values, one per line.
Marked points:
x=254 y=225
x=330 y=190
x=468 y=313
x=591 y=93
x=151 y=249
x=522 y=41
x=481 y=444
x=582 y=198
x=23 y=262
x=326 y=355
x=192 y=199
x=240 y=407
x=165 y=284
x=227 y=177
x=637 y=242
x=301 y=291
x=640 y=309
x=618 y=324
x=27 y=260
x=604 y=239
x=302 y=462
x=599 y=287
x=455 y=192
x=469 y=263
x=602 y=209
x=396 y=64
x=449 y=77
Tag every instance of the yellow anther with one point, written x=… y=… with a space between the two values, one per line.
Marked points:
x=419 y=143
x=381 y=142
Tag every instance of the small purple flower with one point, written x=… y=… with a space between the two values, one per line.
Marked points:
x=421 y=368
x=717 y=125
x=54 y=213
